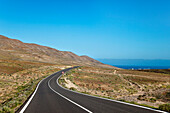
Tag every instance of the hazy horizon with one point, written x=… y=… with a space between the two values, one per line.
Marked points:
x=129 y=59
x=137 y=62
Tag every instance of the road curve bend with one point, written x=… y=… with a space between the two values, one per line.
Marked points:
x=50 y=97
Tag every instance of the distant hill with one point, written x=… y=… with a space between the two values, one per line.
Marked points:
x=13 y=49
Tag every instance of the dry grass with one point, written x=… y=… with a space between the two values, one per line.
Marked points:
x=18 y=80
x=129 y=85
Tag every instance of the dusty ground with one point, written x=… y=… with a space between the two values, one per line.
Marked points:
x=18 y=80
x=147 y=88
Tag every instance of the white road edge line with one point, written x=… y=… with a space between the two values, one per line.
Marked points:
x=110 y=99
x=28 y=102
x=67 y=98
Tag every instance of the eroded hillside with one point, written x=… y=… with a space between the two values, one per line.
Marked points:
x=12 y=49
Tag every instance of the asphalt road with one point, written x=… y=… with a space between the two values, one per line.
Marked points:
x=51 y=98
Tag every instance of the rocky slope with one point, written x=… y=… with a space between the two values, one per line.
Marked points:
x=16 y=50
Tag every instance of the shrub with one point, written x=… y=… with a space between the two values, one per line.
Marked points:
x=6 y=109
x=72 y=88
x=165 y=107
x=152 y=99
x=167 y=94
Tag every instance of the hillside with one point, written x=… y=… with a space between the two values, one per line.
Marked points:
x=12 y=49
x=151 y=89
x=23 y=65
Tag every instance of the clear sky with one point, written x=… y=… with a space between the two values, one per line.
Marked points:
x=115 y=29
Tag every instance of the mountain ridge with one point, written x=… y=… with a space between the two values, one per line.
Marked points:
x=17 y=50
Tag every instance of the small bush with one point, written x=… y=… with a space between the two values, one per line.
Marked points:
x=72 y=88
x=6 y=109
x=165 y=107
x=152 y=100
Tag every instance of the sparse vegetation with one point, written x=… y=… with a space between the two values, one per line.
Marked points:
x=22 y=67
x=149 y=89
x=18 y=79
x=164 y=71
x=165 y=107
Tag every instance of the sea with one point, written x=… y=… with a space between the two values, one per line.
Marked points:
x=137 y=63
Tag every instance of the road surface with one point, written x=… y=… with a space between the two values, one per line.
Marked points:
x=52 y=98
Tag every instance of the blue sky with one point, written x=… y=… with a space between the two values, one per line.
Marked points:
x=115 y=29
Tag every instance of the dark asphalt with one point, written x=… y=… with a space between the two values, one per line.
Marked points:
x=47 y=101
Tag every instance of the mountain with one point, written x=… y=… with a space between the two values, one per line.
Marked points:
x=14 y=49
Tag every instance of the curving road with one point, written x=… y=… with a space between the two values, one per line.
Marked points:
x=52 y=98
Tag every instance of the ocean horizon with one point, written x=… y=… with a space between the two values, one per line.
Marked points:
x=137 y=63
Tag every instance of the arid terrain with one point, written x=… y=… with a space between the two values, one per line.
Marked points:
x=23 y=65
x=18 y=80
x=150 y=89
x=12 y=49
